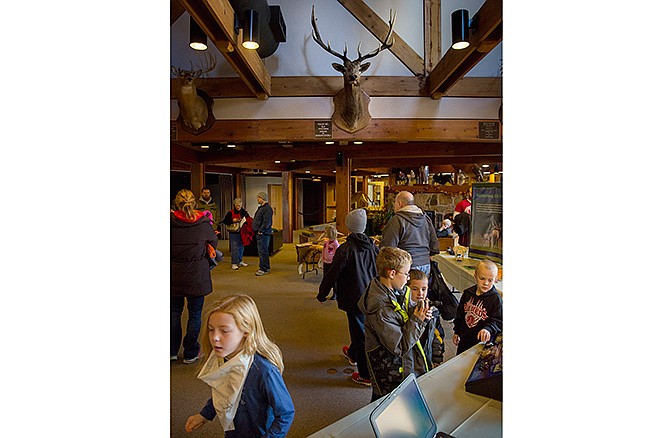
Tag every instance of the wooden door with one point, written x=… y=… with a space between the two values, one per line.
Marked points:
x=275 y=195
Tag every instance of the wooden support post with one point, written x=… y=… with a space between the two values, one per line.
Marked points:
x=366 y=184
x=342 y=194
x=288 y=211
x=197 y=179
x=240 y=186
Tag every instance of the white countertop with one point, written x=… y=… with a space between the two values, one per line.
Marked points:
x=456 y=411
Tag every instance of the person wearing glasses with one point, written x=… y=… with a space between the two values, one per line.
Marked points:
x=393 y=331
x=412 y=230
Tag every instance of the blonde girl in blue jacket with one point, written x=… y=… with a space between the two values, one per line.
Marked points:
x=244 y=369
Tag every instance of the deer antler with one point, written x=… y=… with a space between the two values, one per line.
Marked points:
x=388 y=41
x=317 y=37
x=211 y=63
x=193 y=72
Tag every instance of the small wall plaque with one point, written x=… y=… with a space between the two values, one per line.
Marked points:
x=489 y=130
x=323 y=129
x=173 y=131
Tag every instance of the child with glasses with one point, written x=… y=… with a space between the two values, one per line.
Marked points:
x=392 y=332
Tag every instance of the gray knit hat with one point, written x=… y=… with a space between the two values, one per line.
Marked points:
x=356 y=220
x=263 y=196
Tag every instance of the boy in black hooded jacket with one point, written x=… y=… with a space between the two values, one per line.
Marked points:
x=479 y=314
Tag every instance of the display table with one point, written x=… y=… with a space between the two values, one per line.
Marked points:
x=456 y=412
x=459 y=274
x=276 y=242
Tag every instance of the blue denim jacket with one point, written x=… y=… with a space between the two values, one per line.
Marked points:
x=266 y=408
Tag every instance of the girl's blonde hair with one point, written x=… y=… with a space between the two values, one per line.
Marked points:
x=245 y=313
x=331 y=232
x=185 y=201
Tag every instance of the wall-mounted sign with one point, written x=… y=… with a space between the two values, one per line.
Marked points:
x=323 y=129
x=489 y=130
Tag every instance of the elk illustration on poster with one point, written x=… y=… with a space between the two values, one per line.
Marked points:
x=486 y=229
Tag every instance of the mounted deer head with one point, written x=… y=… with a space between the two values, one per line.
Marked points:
x=195 y=106
x=351 y=112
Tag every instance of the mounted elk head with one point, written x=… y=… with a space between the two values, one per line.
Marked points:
x=195 y=106
x=351 y=112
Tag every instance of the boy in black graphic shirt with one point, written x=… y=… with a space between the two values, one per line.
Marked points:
x=479 y=314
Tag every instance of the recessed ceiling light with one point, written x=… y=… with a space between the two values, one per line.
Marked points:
x=277 y=161
x=330 y=142
x=358 y=142
x=231 y=145
x=308 y=171
x=204 y=146
x=485 y=165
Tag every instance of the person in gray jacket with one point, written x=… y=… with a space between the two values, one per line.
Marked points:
x=411 y=229
x=392 y=333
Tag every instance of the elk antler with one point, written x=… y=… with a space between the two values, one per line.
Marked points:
x=388 y=41
x=317 y=37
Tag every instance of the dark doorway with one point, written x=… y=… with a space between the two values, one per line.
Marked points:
x=312 y=203
x=179 y=180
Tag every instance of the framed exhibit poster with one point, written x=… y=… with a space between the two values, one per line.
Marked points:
x=486 y=230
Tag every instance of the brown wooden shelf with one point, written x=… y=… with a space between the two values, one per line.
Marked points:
x=428 y=188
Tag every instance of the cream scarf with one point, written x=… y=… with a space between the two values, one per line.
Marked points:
x=226 y=381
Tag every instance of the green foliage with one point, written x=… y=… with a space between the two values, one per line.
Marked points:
x=377 y=220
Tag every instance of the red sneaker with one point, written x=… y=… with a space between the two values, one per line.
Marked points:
x=345 y=350
x=356 y=377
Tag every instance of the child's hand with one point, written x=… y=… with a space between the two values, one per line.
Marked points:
x=194 y=422
x=455 y=339
x=423 y=311
x=484 y=335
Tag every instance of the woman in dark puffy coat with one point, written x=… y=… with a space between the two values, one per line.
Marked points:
x=190 y=232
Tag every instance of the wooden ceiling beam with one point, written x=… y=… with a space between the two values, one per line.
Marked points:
x=390 y=130
x=379 y=28
x=386 y=151
x=456 y=63
x=426 y=161
x=326 y=86
x=176 y=10
x=432 y=33
x=217 y=19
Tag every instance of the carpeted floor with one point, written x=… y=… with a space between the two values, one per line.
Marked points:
x=310 y=335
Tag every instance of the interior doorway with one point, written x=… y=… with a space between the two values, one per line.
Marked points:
x=275 y=195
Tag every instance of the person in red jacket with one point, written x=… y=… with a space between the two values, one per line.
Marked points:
x=190 y=279
x=234 y=221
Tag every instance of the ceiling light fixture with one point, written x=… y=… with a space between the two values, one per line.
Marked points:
x=358 y=142
x=230 y=145
x=460 y=29
x=250 y=29
x=330 y=142
x=198 y=39
x=277 y=161
x=204 y=146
